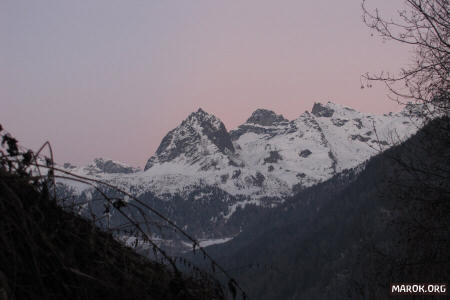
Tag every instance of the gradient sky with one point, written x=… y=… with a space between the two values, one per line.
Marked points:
x=111 y=78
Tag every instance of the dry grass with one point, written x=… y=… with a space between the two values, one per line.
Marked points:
x=48 y=253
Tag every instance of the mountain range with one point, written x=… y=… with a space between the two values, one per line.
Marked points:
x=210 y=180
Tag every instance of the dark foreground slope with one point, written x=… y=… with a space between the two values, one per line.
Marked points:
x=47 y=253
x=350 y=237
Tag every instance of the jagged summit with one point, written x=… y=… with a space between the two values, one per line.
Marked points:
x=265 y=117
x=320 y=110
x=198 y=134
x=199 y=114
x=261 y=121
x=111 y=166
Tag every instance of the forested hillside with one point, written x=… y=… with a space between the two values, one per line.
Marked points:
x=353 y=235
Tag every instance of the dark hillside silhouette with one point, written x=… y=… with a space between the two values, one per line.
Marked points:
x=353 y=235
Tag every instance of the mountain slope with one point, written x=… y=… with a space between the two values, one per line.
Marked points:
x=353 y=235
x=317 y=145
x=211 y=181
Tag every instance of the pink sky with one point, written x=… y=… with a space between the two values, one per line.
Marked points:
x=111 y=78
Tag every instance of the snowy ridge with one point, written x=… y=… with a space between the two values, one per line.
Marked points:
x=267 y=156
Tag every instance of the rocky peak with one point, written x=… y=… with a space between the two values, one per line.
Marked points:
x=200 y=114
x=196 y=131
x=263 y=121
x=265 y=117
x=110 y=166
x=212 y=127
x=320 y=110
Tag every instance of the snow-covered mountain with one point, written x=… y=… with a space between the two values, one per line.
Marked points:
x=101 y=166
x=261 y=162
x=201 y=139
x=269 y=155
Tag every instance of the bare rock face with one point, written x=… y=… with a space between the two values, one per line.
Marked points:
x=263 y=121
x=265 y=117
x=109 y=166
x=319 y=110
x=274 y=156
x=192 y=139
x=305 y=153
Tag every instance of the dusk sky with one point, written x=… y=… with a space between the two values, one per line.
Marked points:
x=111 y=78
